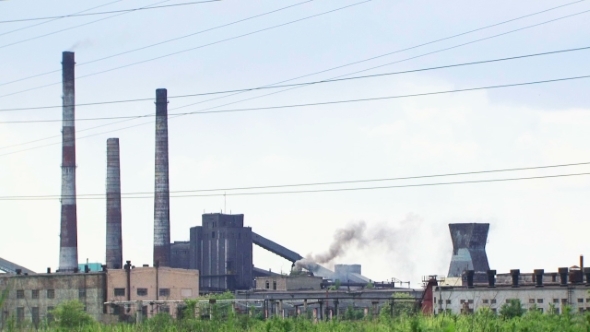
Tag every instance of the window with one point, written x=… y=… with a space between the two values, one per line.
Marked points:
x=495 y=311
x=51 y=293
x=20 y=314
x=267 y=284
x=486 y=301
x=448 y=311
x=20 y=293
x=212 y=235
x=434 y=300
x=119 y=291
x=81 y=293
x=274 y=285
x=581 y=309
x=448 y=301
x=35 y=315
x=142 y=292
x=164 y=292
x=540 y=310
x=539 y=300
x=556 y=310
x=564 y=301
x=580 y=300
x=50 y=314
x=462 y=301
x=588 y=300
x=531 y=300
x=116 y=310
x=164 y=309
x=555 y=300
x=470 y=301
x=439 y=301
x=493 y=301
x=35 y=294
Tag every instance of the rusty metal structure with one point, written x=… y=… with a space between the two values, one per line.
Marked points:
x=68 y=249
x=162 y=185
x=114 y=240
x=469 y=250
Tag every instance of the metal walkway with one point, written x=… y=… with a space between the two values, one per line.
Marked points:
x=10 y=267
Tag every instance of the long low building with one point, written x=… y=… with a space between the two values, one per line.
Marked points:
x=31 y=298
x=541 y=291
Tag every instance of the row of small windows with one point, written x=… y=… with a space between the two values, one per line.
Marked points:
x=35 y=314
x=143 y=292
x=531 y=301
x=20 y=293
x=274 y=285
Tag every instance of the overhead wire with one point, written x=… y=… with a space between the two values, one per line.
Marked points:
x=308 y=184
x=471 y=63
x=333 y=102
x=163 y=42
x=341 y=66
x=80 y=14
x=55 y=19
x=331 y=189
x=192 y=48
x=71 y=28
x=390 y=63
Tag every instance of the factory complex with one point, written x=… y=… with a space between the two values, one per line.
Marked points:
x=219 y=258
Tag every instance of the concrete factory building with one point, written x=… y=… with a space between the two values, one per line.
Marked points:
x=288 y=283
x=535 y=291
x=32 y=297
x=221 y=250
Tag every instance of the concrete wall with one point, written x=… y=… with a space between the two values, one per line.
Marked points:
x=32 y=293
x=221 y=250
x=151 y=284
x=454 y=299
x=288 y=283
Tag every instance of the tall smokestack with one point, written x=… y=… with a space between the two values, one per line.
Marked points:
x=68 y=249
x=469 y=250
x=114 y=247
x=162 y=187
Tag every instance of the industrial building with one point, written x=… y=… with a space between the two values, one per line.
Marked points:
x=31 y=297
x=546 y=292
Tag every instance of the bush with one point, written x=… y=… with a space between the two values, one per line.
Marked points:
x=71 y=314
x=512 y=309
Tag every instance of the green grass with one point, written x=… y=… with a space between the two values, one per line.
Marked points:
x=481 y=321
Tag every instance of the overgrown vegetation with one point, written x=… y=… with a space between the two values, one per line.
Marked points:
x=220 y=315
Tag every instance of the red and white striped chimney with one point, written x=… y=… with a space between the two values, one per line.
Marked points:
x=68 y=249
x=162 y=187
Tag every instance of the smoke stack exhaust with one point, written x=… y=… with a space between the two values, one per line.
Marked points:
x=162 y=187
x=114 y=243
x=68 y=250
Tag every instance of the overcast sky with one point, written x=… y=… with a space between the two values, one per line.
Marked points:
x=534 y=223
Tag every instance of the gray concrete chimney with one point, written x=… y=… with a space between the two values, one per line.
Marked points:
x=162 y=186
x=114 y=241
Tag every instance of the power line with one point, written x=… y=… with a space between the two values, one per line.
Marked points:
x=193 y=48
x=333 y=190
x=55 y=19
x=313 y=82
x=341 y=66
x=163 y=42
x=107 y=12
x=72 y=27
x=500 y=86
x=395 y=62
x=501 y=170
x=345 y=65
